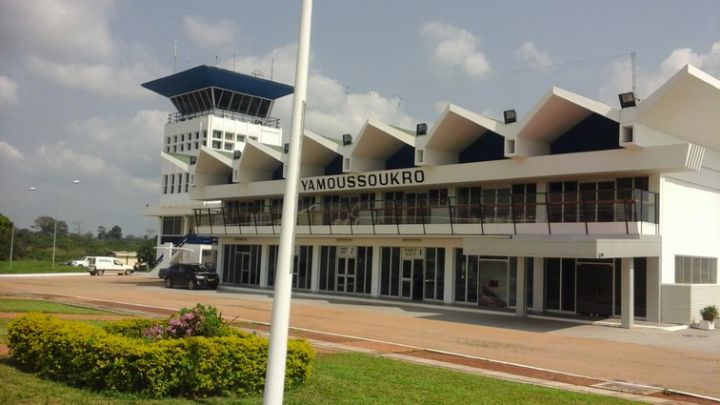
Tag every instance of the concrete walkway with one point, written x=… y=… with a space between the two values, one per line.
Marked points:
x=684 y=360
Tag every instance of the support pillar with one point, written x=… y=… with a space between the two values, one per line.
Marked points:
x=520 y=293
x=652 y=291
x=449 y=280
x=264 y=265
x=315 y=269
x=538 y=303
x=375 y=279
x=627 y=296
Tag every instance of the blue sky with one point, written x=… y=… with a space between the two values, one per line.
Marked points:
x=71 y=105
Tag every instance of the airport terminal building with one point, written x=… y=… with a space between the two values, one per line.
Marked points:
x=578 y=209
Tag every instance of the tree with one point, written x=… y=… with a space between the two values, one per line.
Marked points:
x=115 y=233
x=45 y=225
x=102 y=233
x=5 y=230
x=146 y=252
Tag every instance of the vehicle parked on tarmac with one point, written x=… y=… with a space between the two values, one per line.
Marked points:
x=81 y=262
x=191 y=276
x=98 y=265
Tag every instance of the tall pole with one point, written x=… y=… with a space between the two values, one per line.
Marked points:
x=12 y=241
x=55 y=221
x=275 y=377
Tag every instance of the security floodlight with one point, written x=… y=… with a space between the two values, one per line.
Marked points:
x=286 y=148
x=346 y=139
x=193 y=160
x=421 y=129
x=510 y=116
x=237 y=154
x=627 y=99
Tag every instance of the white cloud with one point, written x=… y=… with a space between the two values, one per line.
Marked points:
x=648 y=80
x=64 y=30
x=455 y=50
x=534 y=56
x=331 y=110
x=217 y=34
x=8 y=92
x=9 y=152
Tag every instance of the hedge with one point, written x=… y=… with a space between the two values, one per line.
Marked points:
x=82 y=355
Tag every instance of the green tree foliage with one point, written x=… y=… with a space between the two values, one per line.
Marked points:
x=5 y=231
x=115 y=233
x=146 y=251
x=36 y=243
x=46 y=225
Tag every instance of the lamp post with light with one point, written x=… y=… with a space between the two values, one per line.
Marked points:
x=57 y=204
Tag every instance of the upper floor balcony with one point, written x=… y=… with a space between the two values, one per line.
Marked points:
x=627 y=211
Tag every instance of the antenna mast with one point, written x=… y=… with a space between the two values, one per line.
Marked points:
x=633 y=65
x=175 y=47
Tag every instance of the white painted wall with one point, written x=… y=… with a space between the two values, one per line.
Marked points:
x=689 y=223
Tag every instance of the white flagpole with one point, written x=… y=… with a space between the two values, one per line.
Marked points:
x=275 y=377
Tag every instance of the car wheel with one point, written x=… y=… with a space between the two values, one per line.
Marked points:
x=192 y=285
x=168 y=282
x=214 y=287
x=128 y=272
x=101 y=272
x=92 y=273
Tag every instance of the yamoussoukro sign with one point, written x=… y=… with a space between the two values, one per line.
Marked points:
x=405 y=177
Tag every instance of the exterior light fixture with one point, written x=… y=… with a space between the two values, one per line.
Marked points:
x=236 y=155
x=286 y=148
x=346 y=139
x=510 y=116
x=421 y=129
x=627 y=100
x=193 y=159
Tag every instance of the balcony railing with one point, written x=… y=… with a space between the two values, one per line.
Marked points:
x=271 y=122
x=446 y=215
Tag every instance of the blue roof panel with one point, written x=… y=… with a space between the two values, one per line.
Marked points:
x=204 y=76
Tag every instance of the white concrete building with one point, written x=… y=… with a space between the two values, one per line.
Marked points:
x=578 y=209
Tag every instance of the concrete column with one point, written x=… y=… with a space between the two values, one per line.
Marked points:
x=449 y=280
x=375 y=280
x=521 y=294
x=627 y=296
x=538 y=303
x=264 y=265
x=315 y=269
x=652 y=293
x=220 y=266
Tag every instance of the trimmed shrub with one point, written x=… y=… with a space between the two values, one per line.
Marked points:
x=116 y=358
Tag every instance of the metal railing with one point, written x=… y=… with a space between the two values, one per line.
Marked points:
x=627 y=206
x=271 y=122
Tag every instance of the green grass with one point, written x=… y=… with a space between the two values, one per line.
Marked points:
x=36 y=266
x=336 y=379
x=10 y=305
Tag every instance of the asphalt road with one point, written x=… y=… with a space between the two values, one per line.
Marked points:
x=687 y=360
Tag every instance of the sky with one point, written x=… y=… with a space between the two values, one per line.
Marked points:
x=71 y=105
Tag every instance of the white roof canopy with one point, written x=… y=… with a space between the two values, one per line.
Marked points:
x=258 y=162
x=375 y=144
x=212 y=167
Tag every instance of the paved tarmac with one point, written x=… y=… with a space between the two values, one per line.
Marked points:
x=687 y=360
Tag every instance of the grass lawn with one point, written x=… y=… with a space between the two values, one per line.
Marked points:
x=12 y=305
x=336 y=379
x=347 y=378
x=36 y=266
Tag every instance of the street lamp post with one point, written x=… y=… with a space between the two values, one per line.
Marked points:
x=55 y=220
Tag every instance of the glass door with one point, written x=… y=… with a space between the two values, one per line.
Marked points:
x=406 y=273
x=345 y=275
x=244 y=259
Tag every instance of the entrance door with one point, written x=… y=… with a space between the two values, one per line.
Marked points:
x=594 y=289
x=244 y=259
x=411 y=279
x=345 y=276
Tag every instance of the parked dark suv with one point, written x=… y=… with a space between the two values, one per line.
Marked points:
x=191 y=276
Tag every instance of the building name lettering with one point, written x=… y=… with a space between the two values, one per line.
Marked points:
x=364 y=180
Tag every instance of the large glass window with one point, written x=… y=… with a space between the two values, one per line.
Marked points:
x=695 y=270
x=241 y=264
x=346 y=269
x=485 y=280
x=172 y=226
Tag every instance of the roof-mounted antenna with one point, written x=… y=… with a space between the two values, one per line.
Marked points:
x=217 y=59
x=633 y=65
x=233 y=61
x=257 y=73
x=175 y=48
x=187 y=56
x=272 y=68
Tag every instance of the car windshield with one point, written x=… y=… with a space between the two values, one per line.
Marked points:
x=199 y=268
